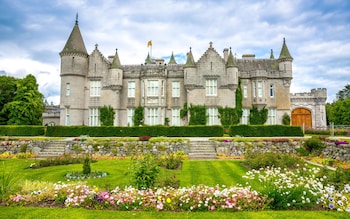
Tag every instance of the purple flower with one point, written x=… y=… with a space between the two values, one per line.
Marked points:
x=331 y=206
x=340 y=142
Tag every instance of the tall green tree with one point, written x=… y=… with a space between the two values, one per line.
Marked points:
x=7 y=93
x=340 y=113
x=106 y=115
x=27 y=106
x=344 y=93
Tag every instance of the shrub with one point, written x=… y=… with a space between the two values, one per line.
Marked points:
x=173 y=160
x=270 y=159
x=145 y=171
x=314 y=145
x=86 y=166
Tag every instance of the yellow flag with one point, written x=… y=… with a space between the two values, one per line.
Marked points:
x=149 y=43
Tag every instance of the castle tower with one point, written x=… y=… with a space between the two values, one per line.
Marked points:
x=232 y=71
x=285 y=61
x=74 y=68
x=190 y=76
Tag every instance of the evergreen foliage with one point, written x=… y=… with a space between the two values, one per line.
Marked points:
x=138 y=118
x=184 y=111
x=286 y=119
x=106 y=115
x=7 y=93
x=198 y=115
x=27 y=105
x=258 y=117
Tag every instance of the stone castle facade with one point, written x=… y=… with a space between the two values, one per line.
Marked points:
x=89 y=81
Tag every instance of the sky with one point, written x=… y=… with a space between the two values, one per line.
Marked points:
x=317 y=33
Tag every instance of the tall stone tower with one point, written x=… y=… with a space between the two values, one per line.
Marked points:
x=74 y=68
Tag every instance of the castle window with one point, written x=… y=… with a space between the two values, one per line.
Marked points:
x=260 y=89
x=95 y=88
x=131 y=89
x=93 y=117
x=213 y=118
x=175 y=117
x=254 y=89
x=152 y=116
x=245 y=116
x=272 y=90
x=211 y=86
x=131 y=112
x=245 y=91
x=67 y=122
x=272 y=116
x=152 y=88
x=175 y=89
x=67 y=89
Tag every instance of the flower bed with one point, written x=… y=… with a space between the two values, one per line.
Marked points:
x=195 y=198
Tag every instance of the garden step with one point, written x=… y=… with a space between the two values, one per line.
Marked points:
x=52 y=149
x=202 y=150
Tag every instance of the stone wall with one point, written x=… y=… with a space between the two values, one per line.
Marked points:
x=239 y=148
x=127 y=148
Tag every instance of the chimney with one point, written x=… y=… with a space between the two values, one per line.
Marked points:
x=225 y=54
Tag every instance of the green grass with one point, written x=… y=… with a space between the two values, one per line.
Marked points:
x=79 y=213
x=219 y=172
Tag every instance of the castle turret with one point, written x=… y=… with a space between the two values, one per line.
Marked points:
x=190 y=76
x=172 y=59
x=285 y=60
x=232 y=71
x=116 y=73
x=74 y=68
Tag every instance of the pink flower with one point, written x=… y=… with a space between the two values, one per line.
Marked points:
x=212 y=208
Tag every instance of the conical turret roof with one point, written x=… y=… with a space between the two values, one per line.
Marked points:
x=116 y=61
x=190 y=60
x=75 y=42
x=230 y=60
x=172 y=59
x=285 y=52
x=148 y=60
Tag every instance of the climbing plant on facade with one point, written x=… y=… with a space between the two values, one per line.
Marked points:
x=198 y=115
x=138 y=118
x=106 y=115
x=258 y=117
x=229 y=115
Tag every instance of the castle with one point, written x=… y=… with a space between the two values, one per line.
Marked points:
x=89 y=81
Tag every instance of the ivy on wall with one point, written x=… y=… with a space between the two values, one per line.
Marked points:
x=106 y=115
x=258 y=117
x=229 y=115
x=138 y=118
x=184 y=111
x=286 y=119
x=198 y=115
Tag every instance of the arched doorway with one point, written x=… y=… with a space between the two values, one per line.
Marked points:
x=302 y=116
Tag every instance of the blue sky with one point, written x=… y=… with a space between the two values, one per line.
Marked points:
x=33 y=32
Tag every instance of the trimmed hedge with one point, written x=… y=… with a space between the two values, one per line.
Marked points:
x=12 y=130
x=154 y=131
x=265 y=130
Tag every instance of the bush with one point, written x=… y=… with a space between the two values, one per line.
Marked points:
x=145 y=171
x=270 y=159
x=314 y=145
x=172 y=161
x=23 y=130
x=86 y=166
x=265 y=130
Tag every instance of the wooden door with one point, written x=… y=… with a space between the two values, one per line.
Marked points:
x=302 y=116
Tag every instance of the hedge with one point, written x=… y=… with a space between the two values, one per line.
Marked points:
x=12 y=130
x=265 y=130
x=154 y=131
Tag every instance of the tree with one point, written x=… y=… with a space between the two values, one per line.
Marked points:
x=340 y=113
x=7 y=93
x=27 y=106
x=106 y=115
x=344 y=93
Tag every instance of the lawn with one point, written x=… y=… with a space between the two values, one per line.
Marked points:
x=211 y=173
